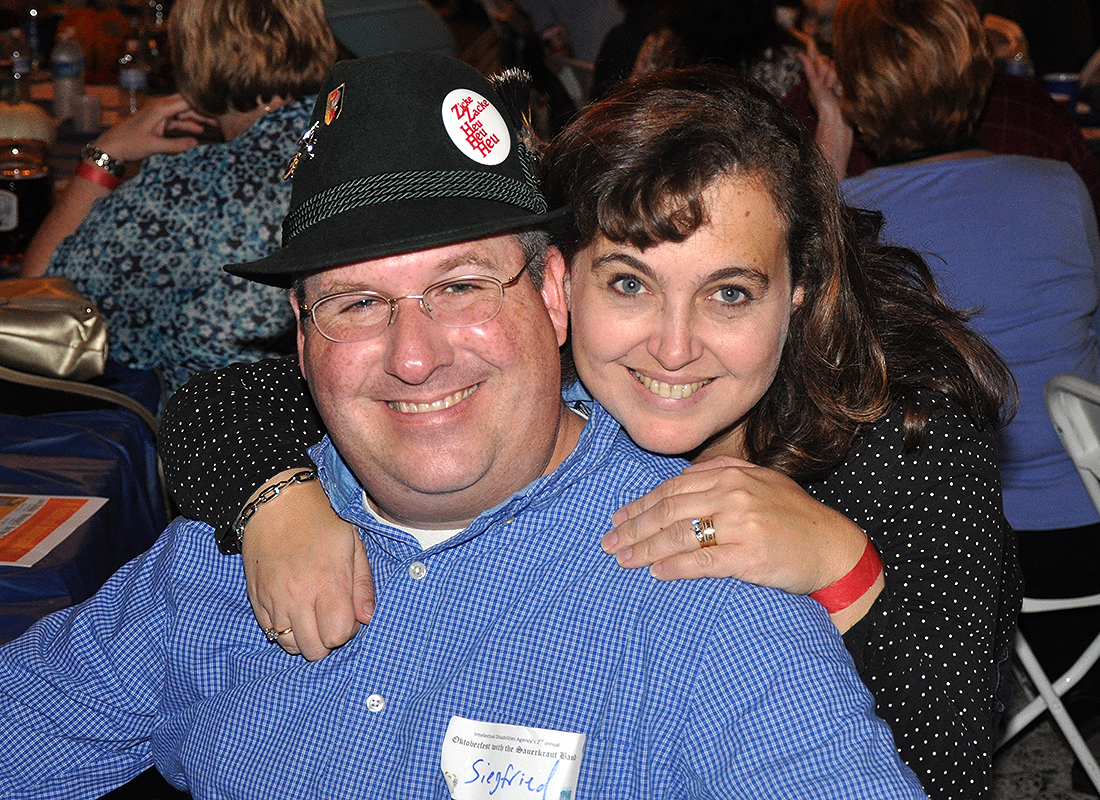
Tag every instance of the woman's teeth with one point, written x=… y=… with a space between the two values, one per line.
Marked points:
x=676 y=391
x=438 y=405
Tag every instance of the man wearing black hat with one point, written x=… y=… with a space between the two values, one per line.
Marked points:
x=508 y=656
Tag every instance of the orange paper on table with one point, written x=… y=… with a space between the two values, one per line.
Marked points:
x=32 y=525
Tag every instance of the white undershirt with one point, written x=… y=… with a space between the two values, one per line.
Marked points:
x=431 y=537
x=427 y=538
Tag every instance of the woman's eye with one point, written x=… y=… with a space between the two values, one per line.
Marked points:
x=730 y=294
x=627 y=284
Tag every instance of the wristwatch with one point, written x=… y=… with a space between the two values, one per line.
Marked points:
x=97 y=158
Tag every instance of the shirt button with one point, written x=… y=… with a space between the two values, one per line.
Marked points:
x=417 y=570
x=375 y=703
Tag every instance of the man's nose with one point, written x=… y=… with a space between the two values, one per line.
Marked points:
x=416 y=345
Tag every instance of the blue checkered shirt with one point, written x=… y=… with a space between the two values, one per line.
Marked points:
x=687 y=689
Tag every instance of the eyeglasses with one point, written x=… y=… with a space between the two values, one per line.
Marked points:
x=454 y=303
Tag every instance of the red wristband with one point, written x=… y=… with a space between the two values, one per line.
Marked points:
x=840 y=594
x=96 y=175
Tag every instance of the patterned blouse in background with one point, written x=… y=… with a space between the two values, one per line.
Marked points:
x=150 y=254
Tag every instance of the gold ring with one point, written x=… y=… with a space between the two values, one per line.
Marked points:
x=273 y=635
x=704 y=531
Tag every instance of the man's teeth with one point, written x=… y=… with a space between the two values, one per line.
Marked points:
x=677 y=391
x=438 y=405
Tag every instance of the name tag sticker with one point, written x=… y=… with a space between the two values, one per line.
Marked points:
x=483 y=760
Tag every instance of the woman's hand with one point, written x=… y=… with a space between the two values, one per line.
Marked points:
x=769 y=531
x=131 y=140
x=144 y=133
x=833 y=134
x=306 y=570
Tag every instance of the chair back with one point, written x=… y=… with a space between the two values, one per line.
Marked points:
x=1073 y=404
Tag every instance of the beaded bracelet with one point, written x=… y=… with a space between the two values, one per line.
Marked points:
x=96 y=175
x=97 y=158
x=270 y=493
x=840 y=594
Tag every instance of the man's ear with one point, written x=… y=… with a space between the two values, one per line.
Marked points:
x=292 y=296
x=553 y=292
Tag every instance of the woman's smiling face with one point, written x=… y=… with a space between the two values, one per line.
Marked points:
x=679 y=341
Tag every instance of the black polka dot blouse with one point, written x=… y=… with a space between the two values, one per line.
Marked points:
x=929 y=648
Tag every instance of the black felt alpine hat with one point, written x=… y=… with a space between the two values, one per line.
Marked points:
x=405 y=151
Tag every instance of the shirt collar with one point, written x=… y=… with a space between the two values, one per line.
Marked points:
x=594 y=447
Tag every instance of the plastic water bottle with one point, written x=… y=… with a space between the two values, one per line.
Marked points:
x=68 y=73
x=31 y=29
x=21 y=64
x=133 y=76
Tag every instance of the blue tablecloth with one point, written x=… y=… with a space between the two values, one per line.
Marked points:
x=71 y=448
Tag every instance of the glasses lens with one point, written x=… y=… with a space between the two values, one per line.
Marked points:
x=352 y=317
x=464 y=302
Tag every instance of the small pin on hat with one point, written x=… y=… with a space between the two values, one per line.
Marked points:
x=333 y=103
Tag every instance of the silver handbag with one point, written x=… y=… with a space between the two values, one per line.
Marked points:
x=48 y=328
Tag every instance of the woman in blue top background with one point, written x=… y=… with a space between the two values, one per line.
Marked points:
x=149 y=251
x=1013 y=237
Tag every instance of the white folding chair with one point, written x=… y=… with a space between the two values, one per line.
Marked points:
x=1074 y=407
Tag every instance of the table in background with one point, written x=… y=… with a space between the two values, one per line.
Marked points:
x=51 y=443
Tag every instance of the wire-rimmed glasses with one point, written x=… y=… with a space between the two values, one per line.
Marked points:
x=460 y=302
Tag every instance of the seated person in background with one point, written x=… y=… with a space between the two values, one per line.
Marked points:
x=149 y=251
x=815 y=21
x=1019 y=118
x=433 y=357
x=744 y=35
x=619 y=49
x=724 y=307
x=1012 y=236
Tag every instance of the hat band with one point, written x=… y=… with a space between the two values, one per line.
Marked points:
x=393 y=187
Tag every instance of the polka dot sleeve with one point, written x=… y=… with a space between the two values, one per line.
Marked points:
x=929 y=647
x=228 y=431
